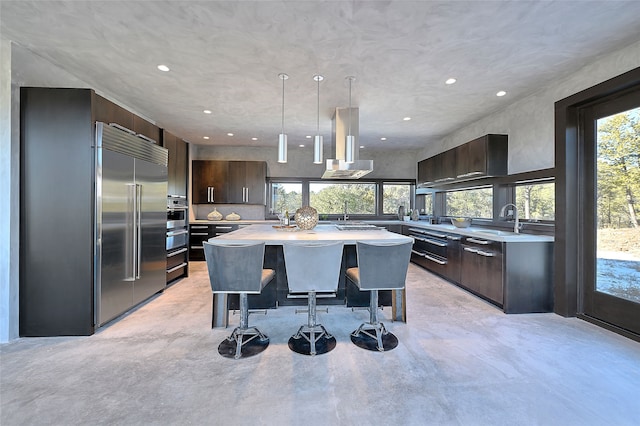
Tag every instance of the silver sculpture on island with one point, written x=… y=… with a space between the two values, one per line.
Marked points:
x=306 y=218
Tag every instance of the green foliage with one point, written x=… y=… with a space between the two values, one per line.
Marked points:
x=395 y=196
x=470 y=203
x=536 y=201
x=284 y=200
x=618 y=169
x=330 y=198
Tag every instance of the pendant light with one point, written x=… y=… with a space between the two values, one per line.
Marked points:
x=318 y=141
x=282 y=139
x=351 y=140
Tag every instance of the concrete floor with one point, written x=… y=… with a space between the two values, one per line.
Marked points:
x=460 y=361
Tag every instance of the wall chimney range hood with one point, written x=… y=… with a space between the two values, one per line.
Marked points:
x=338 y=168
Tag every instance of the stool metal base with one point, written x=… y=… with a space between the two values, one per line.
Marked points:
x=312 y=341
x=243 y=343
x=374 y=338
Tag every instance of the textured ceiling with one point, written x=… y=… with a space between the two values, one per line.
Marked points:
x=225 y=56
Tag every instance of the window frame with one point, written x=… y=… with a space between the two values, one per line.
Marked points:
x=379 y=193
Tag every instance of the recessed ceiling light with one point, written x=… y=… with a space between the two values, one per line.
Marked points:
x=450 y=81
x=383 y=139
x=205 y=137
x=501 y=93
x=229 y=134
x=361 y=146
x=254 y=139
x=308 y=137
x=301 y=146
x=206 y=111
x=407 y=118
x=163 y=68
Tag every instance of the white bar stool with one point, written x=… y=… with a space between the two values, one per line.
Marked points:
x=312 y=268
x=381 y=266
x=238 y=268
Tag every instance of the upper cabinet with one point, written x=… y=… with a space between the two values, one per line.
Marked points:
x=178 y=163
x=485 y=156
x=230 y=182
x=482 y=157
x=209 y=181
x=109 y=112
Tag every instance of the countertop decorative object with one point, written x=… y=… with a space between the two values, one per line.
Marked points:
x=461 y=222
x=232 y=216
x=214 y=215
x=306 y=218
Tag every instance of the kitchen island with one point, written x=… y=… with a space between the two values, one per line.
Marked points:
x=277 y=292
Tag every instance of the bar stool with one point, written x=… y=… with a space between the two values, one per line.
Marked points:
x=238 y=268
x=312 y=268
x=381 y=266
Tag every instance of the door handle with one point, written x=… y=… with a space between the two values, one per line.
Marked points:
x=139 y=229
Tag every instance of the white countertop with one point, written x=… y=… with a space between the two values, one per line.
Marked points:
x=478 y=232
x=272 y=236
x=483 y=233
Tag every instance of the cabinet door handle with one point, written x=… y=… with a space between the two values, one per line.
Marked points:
x=473 y=240
x=247 y=191
x=485 y=253
x=433 y=234
x=471 y=250
x=433 y=259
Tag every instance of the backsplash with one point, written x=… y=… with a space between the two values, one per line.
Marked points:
x=247 y=212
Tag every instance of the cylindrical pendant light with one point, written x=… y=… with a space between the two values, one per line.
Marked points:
x=282 y=139
x=351 y=140
x=318 y=141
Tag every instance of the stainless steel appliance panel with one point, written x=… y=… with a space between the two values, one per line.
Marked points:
x=115 y=268
x=152 y=182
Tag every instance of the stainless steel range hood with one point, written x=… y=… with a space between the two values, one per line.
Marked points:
x=337 y=168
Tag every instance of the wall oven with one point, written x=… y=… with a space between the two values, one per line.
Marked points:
x=177 y=237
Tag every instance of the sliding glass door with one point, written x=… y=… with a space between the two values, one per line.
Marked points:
x=611 y=230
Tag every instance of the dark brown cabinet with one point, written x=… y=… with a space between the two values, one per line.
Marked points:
x=178 y=163
x=485 y=156
x=482 y=268
x=230 y=182
x=209 y=181
x=516 y=276
x=247 y=180
x=482 y=157
x=438 y=169
x=109 y=112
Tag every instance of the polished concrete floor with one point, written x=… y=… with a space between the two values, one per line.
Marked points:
x=460 y=361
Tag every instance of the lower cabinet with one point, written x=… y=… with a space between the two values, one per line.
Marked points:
x=198 y=233
x=516 y=276
x=481 y=271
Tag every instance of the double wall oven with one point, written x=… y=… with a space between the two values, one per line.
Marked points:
x=177 y=237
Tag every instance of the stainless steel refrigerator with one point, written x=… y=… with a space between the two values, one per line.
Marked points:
x=131 y=221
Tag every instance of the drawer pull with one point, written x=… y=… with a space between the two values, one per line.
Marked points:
x=473 y=240
x=433 y=234
x=197 y=247
x=202 y=234
x=199 y=227
x=436 y=243
x=182 y=265
x=177 y=252
x=433 y=259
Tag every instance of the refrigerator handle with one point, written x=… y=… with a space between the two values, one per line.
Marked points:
x=131 y=262
x=138 y=215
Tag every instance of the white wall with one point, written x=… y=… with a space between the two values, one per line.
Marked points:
x=9 y=188
x=529 y=122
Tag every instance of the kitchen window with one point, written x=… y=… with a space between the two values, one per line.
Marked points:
x=285 y=196
x=330 y=198
x=536 y=200
x=470 y=202
x=395 y=195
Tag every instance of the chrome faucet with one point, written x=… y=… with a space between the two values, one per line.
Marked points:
x=345 y=211
x=516 y=226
